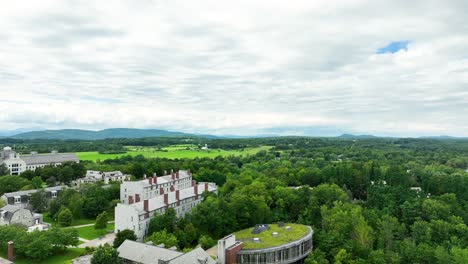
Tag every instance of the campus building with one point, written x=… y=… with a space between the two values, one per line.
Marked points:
x=132 y=252
x=17 y=215
x=100 y=176
x=267 y=244
x=18 y=164
x=21 y=198
x=141 y=200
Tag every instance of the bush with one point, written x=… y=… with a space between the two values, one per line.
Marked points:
x=65 y=217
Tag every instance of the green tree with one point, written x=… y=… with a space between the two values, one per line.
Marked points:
x=65 y=217
x=66 y=174
x=12 y=183
x=123 y=235
x=167 y=220
x=101 y=222
x=38 y=201
x=28 y=174
x=4 y=170
x=206 y=242
x=163 y=237
x=106 y=255
x=37 y=182
x=96 y=201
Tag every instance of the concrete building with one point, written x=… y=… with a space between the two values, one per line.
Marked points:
x=152 y=196
x=138 y=253
x=96 y=176
x=18 y=164
x=21 y=198
x=262 y=245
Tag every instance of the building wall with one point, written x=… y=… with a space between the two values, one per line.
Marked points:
x=15 y=165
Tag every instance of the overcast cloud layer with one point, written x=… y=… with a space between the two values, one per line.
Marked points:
x=237 y=67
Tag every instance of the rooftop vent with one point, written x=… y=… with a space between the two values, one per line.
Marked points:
x=274 y=234
x=256 y=240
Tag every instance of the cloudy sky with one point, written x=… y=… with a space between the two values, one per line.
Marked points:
x=393 y=68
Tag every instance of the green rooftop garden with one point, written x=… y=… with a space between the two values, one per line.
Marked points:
x=267 y=239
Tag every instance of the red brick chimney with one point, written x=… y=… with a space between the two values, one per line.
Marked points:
x=146 y=205
x=206 y=186
x=161 y=191
x=155 y=179
x=166 y=199
x=172 y=188
x=150 y=180
x=172 y=175
x=10 y=251
x=177 y=196
x=137 y=198
x=195 y=189
x=177 y=175
x=193 y=183
x=130 y=199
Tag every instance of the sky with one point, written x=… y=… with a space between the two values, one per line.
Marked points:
x=320 y=68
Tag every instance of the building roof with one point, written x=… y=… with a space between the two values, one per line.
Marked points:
x=266 y=238
x=149 y=254
x=27 y=192
x=161 y=179
x=9 y=211
x=49 y=158
x=158 y=201
x=5 y=261
x=144 y=253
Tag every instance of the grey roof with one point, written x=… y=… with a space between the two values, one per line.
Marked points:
x=196 y=256
x=49 y=158
x=9 y=211
x=27 y=192
x=5 y=261
x=145 y=254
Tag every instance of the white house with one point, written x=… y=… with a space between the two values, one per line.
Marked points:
x=18 y=164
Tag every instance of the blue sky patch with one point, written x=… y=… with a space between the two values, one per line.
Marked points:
x=394 y=47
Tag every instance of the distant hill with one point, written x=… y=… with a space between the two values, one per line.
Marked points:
x=351 y=136
x=102 y=134
x=443 y=137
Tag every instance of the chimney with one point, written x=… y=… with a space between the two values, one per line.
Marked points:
x=10 y=251
x=195 y=189
x=193 y=183
x=155 y=179
x=172 y=188
x=166 y=199
x=154 y=174
x=150 y=180
x=161 y=191
x=165 y=172
x=146 y=205
x=177 y=175
x=172 y=175
x=189 y=172
x=177 y=196
x=144 y=175
x=130 y=199
x=172 y=171
x=206 y=186
x=137 y=198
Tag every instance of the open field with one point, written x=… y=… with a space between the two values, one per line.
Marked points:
x=89 y=233
x=63 y=258
x=172 y=152
x=76 y=222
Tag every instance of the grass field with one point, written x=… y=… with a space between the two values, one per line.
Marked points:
x=89 y=233
x=172 y=152
x=76 y=222
x=267 y=240
x=64 y=258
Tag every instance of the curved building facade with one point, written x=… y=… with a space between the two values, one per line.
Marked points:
x=291 y=252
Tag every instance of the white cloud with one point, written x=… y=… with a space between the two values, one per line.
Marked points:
x=236 y=67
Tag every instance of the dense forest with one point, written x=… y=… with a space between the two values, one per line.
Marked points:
x=368 y=200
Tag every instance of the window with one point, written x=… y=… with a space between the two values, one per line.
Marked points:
x=17 y=199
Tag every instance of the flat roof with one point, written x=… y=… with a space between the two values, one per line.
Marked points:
x=267 y=239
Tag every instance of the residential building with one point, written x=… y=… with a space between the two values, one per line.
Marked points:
x=138 y=253
x=152 y=196
x=17 y=215
x=96 y=176
x=151 y=187
x=18 y=164
x=21 y=198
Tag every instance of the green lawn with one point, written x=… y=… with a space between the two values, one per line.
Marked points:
x=64 y=258
x=172 y=152
x=267 y=240
x=76 y=222
x=89 y=233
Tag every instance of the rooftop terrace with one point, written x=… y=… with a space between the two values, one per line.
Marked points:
x=266 y=238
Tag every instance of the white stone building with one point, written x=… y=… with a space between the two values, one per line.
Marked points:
x=106 y=177
x=141 y=200
x=18 y=164
x=21 y=198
